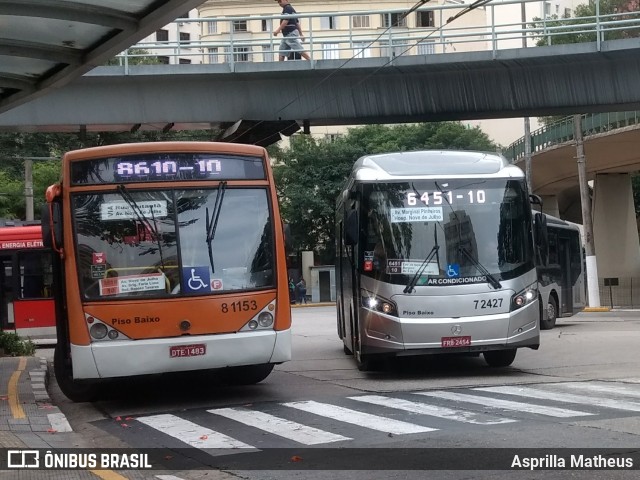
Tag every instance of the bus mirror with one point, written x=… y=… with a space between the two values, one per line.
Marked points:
x=535 y=200
x=351 y=228
x=541 y=236
x=51 y=221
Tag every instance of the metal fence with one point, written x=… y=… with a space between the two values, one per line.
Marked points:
x=562 y=131
x=390 y=34
x=623 y=292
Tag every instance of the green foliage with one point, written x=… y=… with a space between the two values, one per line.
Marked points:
x=15 y=346
x=136 y=56
x=581 y=14
x=310 y=173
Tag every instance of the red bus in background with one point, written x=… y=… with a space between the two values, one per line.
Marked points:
x=26 y=302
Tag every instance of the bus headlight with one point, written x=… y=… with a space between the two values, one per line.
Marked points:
x=98 y=331
x=378 y=303
x=262 y=321
x=525 y=297
x=265 y=319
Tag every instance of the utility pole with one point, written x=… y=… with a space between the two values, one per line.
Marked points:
x=28 y=188
x=527 y=121
x=589 y=244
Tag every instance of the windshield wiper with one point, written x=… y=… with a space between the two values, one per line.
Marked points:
x=493 y=281
x=142 y=218
x=412 y=283
x=212 y=222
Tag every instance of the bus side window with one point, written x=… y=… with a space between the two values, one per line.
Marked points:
x=553 y=248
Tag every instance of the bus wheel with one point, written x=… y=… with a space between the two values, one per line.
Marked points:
x=73 y=390
x=365 y=363
x=249 y=374
x=552 y=315
x=500 y=358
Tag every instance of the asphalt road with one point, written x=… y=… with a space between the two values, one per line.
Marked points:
x=581 y=389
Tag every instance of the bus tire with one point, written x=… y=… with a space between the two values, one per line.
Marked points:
x=500 y=358
x=72 y=389
x=248 y=374
x=552 y=314
x=365 y=363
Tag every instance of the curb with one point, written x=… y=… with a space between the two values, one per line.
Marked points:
x=307 y=305
x=596 y=309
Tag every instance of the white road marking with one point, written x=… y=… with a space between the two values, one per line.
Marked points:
x=279 y=426
x=432 y=410
x=191 y=433
x=616 y=389
x=506 y=404
x=564 y=397
x=366 y=420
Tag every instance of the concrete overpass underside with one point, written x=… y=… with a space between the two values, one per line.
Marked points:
x=610 y=159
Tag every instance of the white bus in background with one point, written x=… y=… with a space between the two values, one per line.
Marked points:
x=561 y=273
x=435 y=254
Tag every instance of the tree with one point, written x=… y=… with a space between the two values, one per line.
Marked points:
x=581 y=14
x=136 y=56
x=310 y=173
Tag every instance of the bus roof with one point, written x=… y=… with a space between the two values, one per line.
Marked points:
x=13 y=238
x=432 y=163
x=182 y=147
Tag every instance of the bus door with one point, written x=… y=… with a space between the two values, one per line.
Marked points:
x=6 y=293
x=33 y=305
x=564 y=258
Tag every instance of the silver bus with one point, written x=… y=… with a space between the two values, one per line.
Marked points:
x=561 y=272
x=435 y=254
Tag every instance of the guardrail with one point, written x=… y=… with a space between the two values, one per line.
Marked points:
x=425 y=31
x=562 y=131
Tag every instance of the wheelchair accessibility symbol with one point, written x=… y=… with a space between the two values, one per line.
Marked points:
x=196 y=279
x=453 y=270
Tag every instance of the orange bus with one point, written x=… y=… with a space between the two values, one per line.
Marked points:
x=26 y=303
x=170 y=258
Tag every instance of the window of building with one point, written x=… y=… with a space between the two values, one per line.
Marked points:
x=425 y=19
x=547 y=9
x=213 y=54
x=163 y=59
x=328 y=23
x=264 y=26
x=360 y=21
x=184 y=15
x=240 y=26
x=212 y=27
x=394 y=20
x=162 y=35
x=396 y=49
x=331 y=137
x=184 y=61
x=267 y=53
x=185 y=37
x=567 y=12
x=330 y=51
x=426 y=48
x=241 y=54
x=362 y=50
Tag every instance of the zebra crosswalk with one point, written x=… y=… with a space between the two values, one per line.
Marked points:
x=356 y=420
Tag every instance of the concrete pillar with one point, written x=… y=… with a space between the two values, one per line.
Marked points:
x=550 y=205
x=306 y=264
x=615 y=234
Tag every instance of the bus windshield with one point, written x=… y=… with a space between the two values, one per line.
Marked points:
x=454 y=224
x=151 y=243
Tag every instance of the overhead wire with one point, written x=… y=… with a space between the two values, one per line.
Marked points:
x=468 y=9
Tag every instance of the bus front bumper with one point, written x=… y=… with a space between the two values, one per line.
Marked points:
x=143 y=357
x=416 y=336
